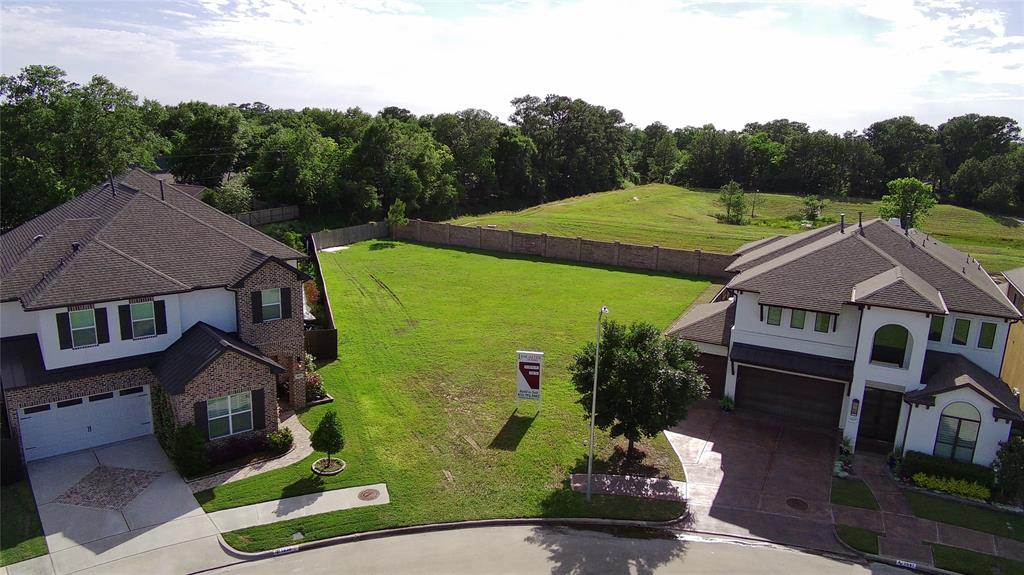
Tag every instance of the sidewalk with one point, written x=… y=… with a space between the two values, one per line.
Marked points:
x=300 y=506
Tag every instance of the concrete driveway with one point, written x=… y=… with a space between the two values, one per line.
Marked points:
x=756 y=476
x=102 y=504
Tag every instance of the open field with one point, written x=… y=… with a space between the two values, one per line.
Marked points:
x=425 y=389
x=676 y=217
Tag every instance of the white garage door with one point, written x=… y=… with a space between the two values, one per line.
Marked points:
x=84 y=422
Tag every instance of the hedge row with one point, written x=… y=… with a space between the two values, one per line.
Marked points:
x=915 y=462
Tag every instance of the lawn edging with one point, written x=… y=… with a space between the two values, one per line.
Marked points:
x=889 y=560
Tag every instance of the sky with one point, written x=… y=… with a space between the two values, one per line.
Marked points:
x=837 y=65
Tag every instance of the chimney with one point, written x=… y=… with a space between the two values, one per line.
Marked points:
x=113 y=190
x=161 y=190
x=860 y=222
x=842 y=223
x=906 y=225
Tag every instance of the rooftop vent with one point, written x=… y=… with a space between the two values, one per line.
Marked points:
x=37 y=238
x=75 y=246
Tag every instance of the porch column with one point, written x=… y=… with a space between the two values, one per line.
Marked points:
x=296 y=384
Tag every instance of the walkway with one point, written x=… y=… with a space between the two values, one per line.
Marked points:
x=300 y=450
x=300 y=506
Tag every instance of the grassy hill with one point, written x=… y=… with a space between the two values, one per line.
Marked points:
x=677 y=217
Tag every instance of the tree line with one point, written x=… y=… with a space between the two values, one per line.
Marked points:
x=58 y=138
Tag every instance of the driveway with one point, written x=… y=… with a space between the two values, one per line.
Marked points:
x=755 y=476
x=103 y=504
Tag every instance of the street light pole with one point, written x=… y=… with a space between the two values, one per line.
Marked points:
x=593 y=405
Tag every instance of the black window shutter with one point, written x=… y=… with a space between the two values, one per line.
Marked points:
x=64 y=330
x=124 y=315
x=257 y=306
x=259 y=409
x=286 y=303
x=201 y=421
x=102 y=329
x=160 y=311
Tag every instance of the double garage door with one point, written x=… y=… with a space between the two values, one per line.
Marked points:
x=803 y=400
x=84 y=422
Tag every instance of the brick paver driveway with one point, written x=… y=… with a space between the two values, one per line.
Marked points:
x=757 y=477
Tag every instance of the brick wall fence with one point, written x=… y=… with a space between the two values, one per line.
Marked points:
x=655 y=258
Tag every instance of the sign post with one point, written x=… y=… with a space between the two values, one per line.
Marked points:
x=528 y=376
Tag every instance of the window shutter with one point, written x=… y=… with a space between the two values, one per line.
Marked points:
x=286 y=303
x=259 y=409
x=201 y=421
x=102 y=329
x=124 y=315
x=64 y=330
x=257 y=307
x=160 y=311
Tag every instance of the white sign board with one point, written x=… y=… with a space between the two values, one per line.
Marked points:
x=528 y=374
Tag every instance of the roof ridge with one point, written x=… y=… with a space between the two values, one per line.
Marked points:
x=827 y=240
x=140 y=263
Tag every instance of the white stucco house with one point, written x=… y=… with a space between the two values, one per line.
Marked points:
x=886 y=334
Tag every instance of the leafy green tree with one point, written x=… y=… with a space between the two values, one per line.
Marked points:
x=471 y=136
x=646 y=382
x=975 y=136
x=665 y=160
x=299 y=166
x=733 y=201
x=902 y=143
x=519 y=183
x=864 y=168
x=813 y=207
x=206 y=141
x=233 y=197
x=1009 y=468
x=328 y=437
x=909 y=199
x=396 y=216
x=968 y=182
x=705 y=165
x=763 y=157
x=651 y=138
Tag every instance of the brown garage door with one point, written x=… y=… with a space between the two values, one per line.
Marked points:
x=713 y=367
x=799 y=399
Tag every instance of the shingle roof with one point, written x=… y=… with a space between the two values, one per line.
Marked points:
x=820 y=271
x=706 y=323
x=147 y=239
x=21 y=364
x=195 y=350
x=1015 y=279
x=944 y=372
x=776 y=248
x=750 y=246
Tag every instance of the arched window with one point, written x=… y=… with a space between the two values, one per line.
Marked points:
x=891 y=346
x=958 y=432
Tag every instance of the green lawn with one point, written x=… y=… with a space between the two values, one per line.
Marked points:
x=859 y=538
x=852 y=493
x=676 y=217
x=972 y=563
x=424 y=385
x=1000 y=523
x=21 y=535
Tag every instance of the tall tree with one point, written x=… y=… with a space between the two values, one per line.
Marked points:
x=902 y=143
x=299 y=166
x=519 y=183
x=732 y=200
x=909 y=199
x=664 y=160
x=206 y=141
x=471 y=136
x=975 y=136
x=764 y=155
x=653 y=134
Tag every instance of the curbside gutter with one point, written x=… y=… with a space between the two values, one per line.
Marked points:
x=901 y=563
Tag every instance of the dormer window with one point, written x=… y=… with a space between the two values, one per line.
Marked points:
x=143 y=320
x=774 y=315
x=822 y=321
x=83 y=328
x=271 y=299
x=961 y=329
x=797 y=318
x=987 y=337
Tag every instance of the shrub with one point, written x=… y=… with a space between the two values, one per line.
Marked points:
x=726 y=403
x=1009 y=468
x=314 y=387
x=952 y=486
x=915 y=462
x=280 y=440
x=190 y=451
x=312 y=292
x=236 y=447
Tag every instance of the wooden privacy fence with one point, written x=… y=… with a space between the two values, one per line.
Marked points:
x=268 y=216
x=322 y=341
x=350 y=235
x=691 y=262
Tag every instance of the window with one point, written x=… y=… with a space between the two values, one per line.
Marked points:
x=796 y=319
x=130 y=391
x=935 y=331
x=822 y=321
x=774 y=315
x=143 y=320
x=271 y=299
x=229 y=414
x=101 y=396
x=83 y=328
x=37 y=409
x=958 y=432
x=891 y=346
x=70 y=402
x=961 y=329
x=987 y=338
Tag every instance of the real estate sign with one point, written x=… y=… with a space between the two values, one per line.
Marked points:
x=528 y=374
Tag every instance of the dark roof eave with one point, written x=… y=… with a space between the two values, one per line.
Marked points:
x=299 y=274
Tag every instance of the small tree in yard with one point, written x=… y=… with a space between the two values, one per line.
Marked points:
x=907 y=197
x=396 y=217
x=731 y=198
x=328 y=437
x=813 y=206
x=645 y=382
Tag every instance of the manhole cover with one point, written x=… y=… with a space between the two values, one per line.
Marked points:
x=797 y=503
x=371 y=494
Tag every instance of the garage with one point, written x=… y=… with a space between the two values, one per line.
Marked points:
x=804 y=400
x=54 y=428
x=713 y=368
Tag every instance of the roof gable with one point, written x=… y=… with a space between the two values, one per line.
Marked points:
x=195 y=350
x=899 y=288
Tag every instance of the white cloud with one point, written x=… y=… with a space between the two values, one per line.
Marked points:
x=678 y=62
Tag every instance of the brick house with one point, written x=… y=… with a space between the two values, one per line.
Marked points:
x=886 y=334
x=136 y=305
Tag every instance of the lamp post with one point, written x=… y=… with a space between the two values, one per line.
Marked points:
x=593 y=405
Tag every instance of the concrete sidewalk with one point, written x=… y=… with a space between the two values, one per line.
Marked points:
x=300 y=506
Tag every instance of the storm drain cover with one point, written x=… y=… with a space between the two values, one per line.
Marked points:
x=371 y=494
x=797 y=503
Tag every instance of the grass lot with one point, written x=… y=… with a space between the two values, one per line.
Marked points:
x=852 y=493
x=859 y=538
x=21 y=535
x=676 y=217
x=424 y=386
x=999 y=523
x=972 y=563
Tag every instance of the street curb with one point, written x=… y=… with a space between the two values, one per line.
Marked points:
x=890 y=560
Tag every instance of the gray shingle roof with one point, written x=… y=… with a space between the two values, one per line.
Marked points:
x=195 y=350
x=706 y=323
x=901 y=289
x=1016 y=279
x=944 y=372
x=131 y=244
x=756 y=244
x=769 y=250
